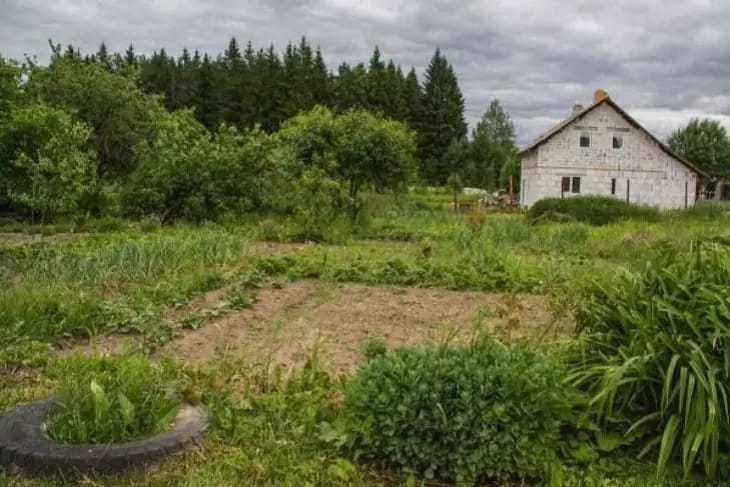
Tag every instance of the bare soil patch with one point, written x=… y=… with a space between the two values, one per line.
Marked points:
x=276 y=247
x=9 y=239
x=236 y=327
x=287 y=325
x=339 y=327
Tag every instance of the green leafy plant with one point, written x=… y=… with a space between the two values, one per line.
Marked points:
x=654 y=353
x=110 y=399
x=374 y=346
x=464 y=413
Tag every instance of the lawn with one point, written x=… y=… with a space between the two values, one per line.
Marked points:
x=267 y=333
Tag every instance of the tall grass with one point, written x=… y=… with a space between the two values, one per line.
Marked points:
x=654 y=352
x=69 y=289
x=134 y=259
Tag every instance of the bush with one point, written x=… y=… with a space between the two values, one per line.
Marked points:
x=47 y=169
x=463 y=413
x=653 y=353
x=594 y=210
x=110 y=400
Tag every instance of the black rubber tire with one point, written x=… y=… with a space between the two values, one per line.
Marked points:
x=23 y=443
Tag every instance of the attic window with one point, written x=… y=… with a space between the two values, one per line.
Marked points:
x=618 y=141
x=585 y=139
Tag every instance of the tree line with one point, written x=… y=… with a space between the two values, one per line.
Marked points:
x=248 y=87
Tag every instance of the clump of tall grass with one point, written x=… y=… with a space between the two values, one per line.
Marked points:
x=654 y=353
x=110 y=399
x=97 y=263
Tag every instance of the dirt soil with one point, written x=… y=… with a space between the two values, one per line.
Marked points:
x=13 y=239
x=236 y=327
x=286 y=325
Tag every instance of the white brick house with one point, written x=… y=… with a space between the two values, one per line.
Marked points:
x=601 y=150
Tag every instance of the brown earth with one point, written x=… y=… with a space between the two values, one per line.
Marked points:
x=14 y=239
x=285 y=326
x=235 y=327
x=339 y=328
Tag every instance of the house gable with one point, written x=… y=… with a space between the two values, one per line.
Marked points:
x=604 y=115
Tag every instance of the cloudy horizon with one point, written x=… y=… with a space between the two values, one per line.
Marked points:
x=665 y=62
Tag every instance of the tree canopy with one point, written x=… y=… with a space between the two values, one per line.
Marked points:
x=705 y=143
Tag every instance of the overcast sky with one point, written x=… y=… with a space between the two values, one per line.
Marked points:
x=665 y=61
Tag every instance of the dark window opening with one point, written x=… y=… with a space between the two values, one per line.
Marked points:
x=618 y=141
x=585 y=140
x=613 y=186
x=576 y=185
x=565 y=187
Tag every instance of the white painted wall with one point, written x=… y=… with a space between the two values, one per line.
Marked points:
x=652 y=176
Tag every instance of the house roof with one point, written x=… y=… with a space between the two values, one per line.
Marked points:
x=577 y=116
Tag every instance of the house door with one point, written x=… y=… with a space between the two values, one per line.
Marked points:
x=686 y=194
x=628 y=191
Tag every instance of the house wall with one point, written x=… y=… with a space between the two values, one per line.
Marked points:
x=652 y=176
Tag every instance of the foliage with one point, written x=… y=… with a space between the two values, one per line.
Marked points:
x=653 y=353
x=494 y=153
x=110 y=400
x=108 y=101
x=372 y=151
x=355 y=149
x=172 y=179
x=464 y=413
x=10 y=92
x=705 y=143
x=50 y=170
x=594 y=210
x=441 y=118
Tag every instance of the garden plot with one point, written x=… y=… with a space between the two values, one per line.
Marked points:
x=286 y=326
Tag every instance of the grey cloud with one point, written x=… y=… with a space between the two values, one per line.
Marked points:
x=664 y=60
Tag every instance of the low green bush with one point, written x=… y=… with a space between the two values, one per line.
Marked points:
x=594 y=210
x=464 y=413
x=110 y=399
x=654 y=353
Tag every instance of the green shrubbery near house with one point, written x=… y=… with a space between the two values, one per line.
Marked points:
x=594 y=210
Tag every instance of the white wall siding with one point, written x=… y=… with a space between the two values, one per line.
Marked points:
x=654 y=177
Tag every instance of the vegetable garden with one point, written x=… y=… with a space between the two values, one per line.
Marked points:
x=420 y=347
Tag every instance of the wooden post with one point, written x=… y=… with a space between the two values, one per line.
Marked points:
x=511 y=192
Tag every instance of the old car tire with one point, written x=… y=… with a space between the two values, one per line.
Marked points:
x=23 y=443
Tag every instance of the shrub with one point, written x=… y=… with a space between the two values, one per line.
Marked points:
x=110 y=399
x=654 y=354
x=49 y=170
x=463 y=413
x=594 y=210
x=172 y=179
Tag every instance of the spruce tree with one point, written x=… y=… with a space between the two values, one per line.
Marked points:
x=493 y=149
x=441 y=118
x=377 y=79
x=320 y=80
x=129 y=57
x=412 y=98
